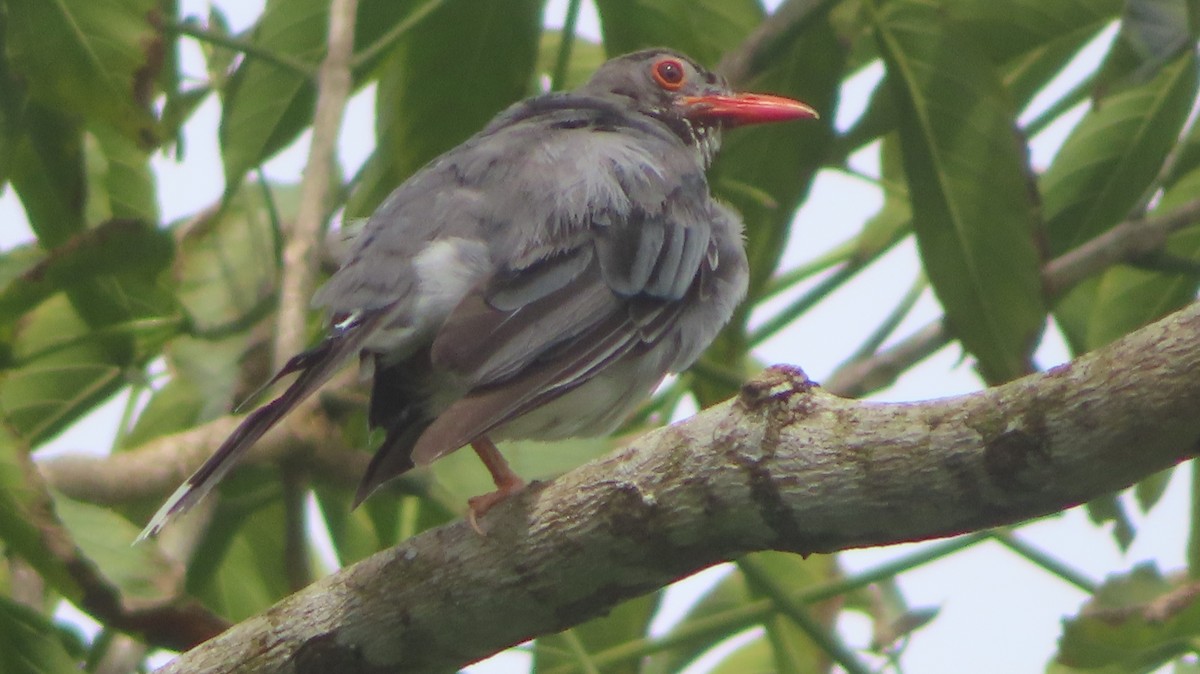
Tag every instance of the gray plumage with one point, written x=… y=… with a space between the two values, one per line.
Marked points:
x=537 y=281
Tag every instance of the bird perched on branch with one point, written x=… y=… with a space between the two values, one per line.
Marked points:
x=537 y=281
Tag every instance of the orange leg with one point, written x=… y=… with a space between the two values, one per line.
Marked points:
x=507 y=482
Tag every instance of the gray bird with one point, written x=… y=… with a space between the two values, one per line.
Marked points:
x=537 y=281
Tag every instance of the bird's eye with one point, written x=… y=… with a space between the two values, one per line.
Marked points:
x=669 y=74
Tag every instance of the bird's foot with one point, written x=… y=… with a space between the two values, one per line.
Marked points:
x=478 y=506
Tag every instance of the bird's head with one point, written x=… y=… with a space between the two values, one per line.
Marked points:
x=693 y=100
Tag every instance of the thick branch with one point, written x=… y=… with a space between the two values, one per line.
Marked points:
x=785 y=466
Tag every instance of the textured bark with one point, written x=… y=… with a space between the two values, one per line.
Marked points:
x=785 y=466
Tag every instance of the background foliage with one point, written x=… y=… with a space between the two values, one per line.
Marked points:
x=111 y=298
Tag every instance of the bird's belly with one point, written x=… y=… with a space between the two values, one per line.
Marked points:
x=595 y=408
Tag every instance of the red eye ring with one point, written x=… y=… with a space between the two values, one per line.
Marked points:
x=669 y=74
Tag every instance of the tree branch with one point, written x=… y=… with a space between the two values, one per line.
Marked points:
x=785 y=466
x=1126 y=242
x=156 y=467
x=300 y=253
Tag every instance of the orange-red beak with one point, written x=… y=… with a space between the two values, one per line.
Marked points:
x=746 y=108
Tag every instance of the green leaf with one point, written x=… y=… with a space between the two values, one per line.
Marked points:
x=586 y=57
x=1023 y=29
x=228 y=264
x=756 y=656
x=1109 y=509
x=1150 y=491
x=1111 y=158
x=266 y=104
x=116 y=247
x=729 y=593
x=31 y=644
x=461 y=475
x=1156 y=30
x=22 y=508
x=47 y=172
x=139 y=572
x=238 y=568
x=1124 y=298
x=628 y=621
x=789 y=646
x=1135 y=622
x=973 y=210
x=205 y=375
x=122 y=185
x=1105 y=168
x=89 y=59
x=443 y=83
x=65 y=370
x=702 y=29
x=788 y=574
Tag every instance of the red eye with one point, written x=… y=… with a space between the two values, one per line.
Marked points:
x=669 y=74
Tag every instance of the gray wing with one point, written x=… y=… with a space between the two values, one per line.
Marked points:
x=594 y=239
x=533 y=333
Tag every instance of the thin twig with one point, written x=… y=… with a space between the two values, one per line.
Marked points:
x=192 y=29
x=740 y=65
x=567 y=40
x=388 y=39
x=1129 y=240
x=300 y=251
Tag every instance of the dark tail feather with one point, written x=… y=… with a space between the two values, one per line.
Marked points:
x=393 y=458
x=316 y=366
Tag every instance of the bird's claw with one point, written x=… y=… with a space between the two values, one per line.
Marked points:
x=478 y=506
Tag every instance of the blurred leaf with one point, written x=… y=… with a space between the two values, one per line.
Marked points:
x=115 y=247
x=790 y=647
x=47 y=173
x=1104 y=169
x=894 y=219
x=1108 y=508
x=1111 y=158
x=266 y=104
x=31 y=644
x=973 y=210
x=228 y=265
x=785 y=575
x=92 y=60
x=1156 y=30
x=238 y=568
x=628 y=621
x=121 y=183
x=205 y=374
x=1018 y=28
x=1136 y=622
x=22 y=508
x=355 y=533
x=1149 y=491
x=729 y=593
x=140 y=572
x=703 y=29
x=754 y=657
x=1125 y=298
x=586 y=57
x=443 y=83
x=73 y=348
x=462 y=475
x=65 y=371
